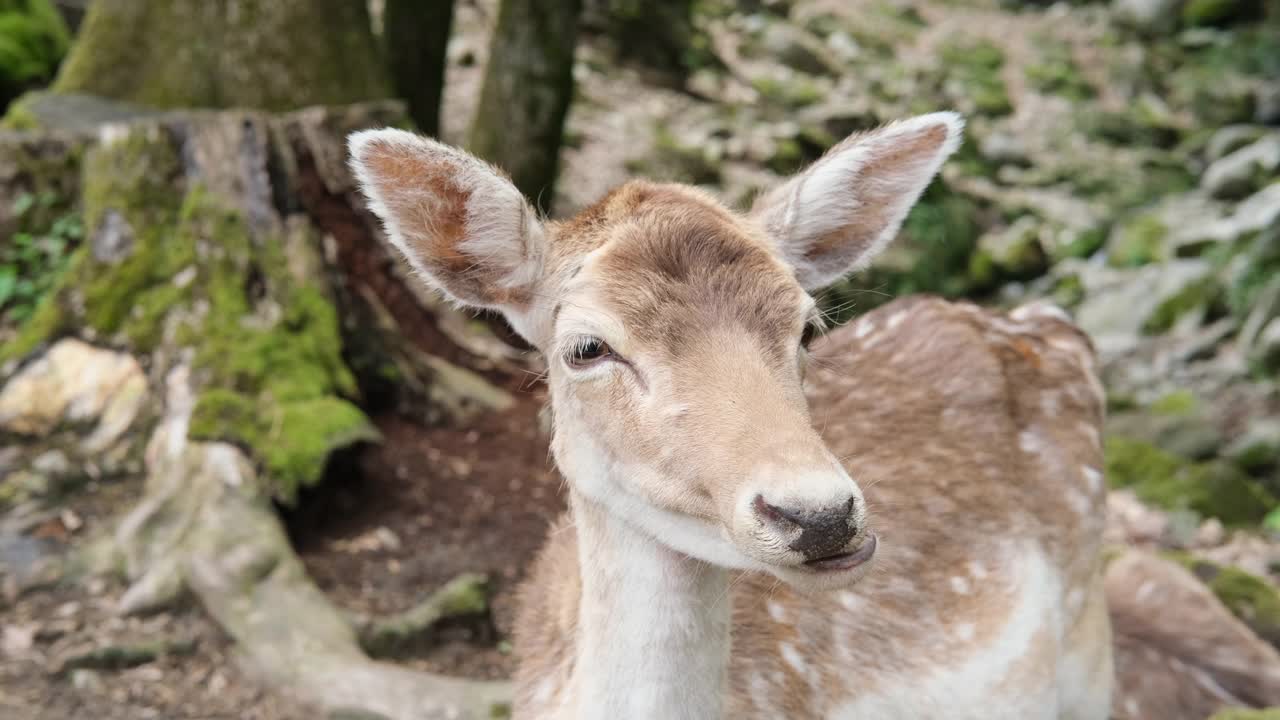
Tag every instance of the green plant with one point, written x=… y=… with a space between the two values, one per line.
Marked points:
x=33 y=258
x=33 y=40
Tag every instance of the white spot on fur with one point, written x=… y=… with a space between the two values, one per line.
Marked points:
x=1093 y=477
x=896 y=319
x=964 y=632
x=960 y=585
x=1030 y=441
x=793 y=658
x=863 y=329
x=977 y=569
x=776 y=611
x=850 y=601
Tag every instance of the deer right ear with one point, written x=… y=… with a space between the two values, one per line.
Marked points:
x=845 y=208
x=457 y=220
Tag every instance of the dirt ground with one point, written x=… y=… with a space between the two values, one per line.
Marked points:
x=394 y=523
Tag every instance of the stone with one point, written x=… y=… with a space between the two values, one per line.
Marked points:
x=1258 y=448
x=74 y=382
x=1149 y=16
x=1264 y=355
x=1266 y=103
x=1118 y=304
x=1231 y=138
x=113 y=240
x=1244 y=171
x=1016 y=251
x=797 y=49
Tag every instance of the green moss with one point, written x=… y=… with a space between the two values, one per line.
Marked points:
x=1176 y=403
x=267 y=347
x=1212 y=489
x=797 y=92
x=1057 y=72
x=1199 y=13
x=1197 y=296
x=1138 y=242
x=33 y=40
x=977 y=66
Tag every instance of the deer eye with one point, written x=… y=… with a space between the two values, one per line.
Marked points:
x=810 y=332
x=587 y=351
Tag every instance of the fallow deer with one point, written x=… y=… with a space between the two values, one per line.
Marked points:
x=901 y=521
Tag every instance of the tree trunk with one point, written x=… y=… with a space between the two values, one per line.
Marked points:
x=221 y=332
x=268 y=54
x=416 y=35
x=528 y=84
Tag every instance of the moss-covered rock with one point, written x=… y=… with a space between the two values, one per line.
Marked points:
x=1199 y=13
x=33 y=40
x=1160 y=478
x=976 y=67
x=1139 y=241
x=1057 y=73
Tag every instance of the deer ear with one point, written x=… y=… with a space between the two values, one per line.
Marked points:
x=840 y=212
x=458 y=221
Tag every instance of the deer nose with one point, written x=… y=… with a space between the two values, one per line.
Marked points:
x=823 y=532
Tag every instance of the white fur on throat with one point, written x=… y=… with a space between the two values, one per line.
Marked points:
x=653 y=628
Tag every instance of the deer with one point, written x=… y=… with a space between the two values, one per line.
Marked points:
x=899 y=518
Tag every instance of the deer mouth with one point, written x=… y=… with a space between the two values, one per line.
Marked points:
x=846 y=560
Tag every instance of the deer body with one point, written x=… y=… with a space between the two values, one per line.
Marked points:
x=901 y=522
x=987 y=495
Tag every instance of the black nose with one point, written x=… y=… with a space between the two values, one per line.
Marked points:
x=823 y=532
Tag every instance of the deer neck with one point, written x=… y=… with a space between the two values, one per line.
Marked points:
x=653 y=625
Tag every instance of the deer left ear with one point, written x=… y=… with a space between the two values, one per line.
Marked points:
x=458 y=221
x=839 y=213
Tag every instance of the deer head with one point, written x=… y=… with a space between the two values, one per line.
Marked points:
x=675 y=331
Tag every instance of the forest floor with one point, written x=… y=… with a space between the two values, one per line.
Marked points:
x=392 y=523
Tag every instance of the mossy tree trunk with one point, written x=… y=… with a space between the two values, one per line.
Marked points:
x=528 y=85
x=268 y=54
x=416 y=35
x=229 y=254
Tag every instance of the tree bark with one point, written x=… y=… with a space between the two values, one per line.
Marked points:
x=267 y=54
x=416 y=35
x=528 y=85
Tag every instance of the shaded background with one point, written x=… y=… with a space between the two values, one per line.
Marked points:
x=240 y=455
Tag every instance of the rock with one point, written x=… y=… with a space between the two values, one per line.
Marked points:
x=113 y=240
x=1264 y=355
x=1243 y=171
x=1266 y=101
x=797 y=49
x=1014 y=252
x=75 y=382
x=1231 y=138
x=1149 y=16
x=1004 y=148
x=86 y=680
x=1258 y=448
x=1119 y=304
